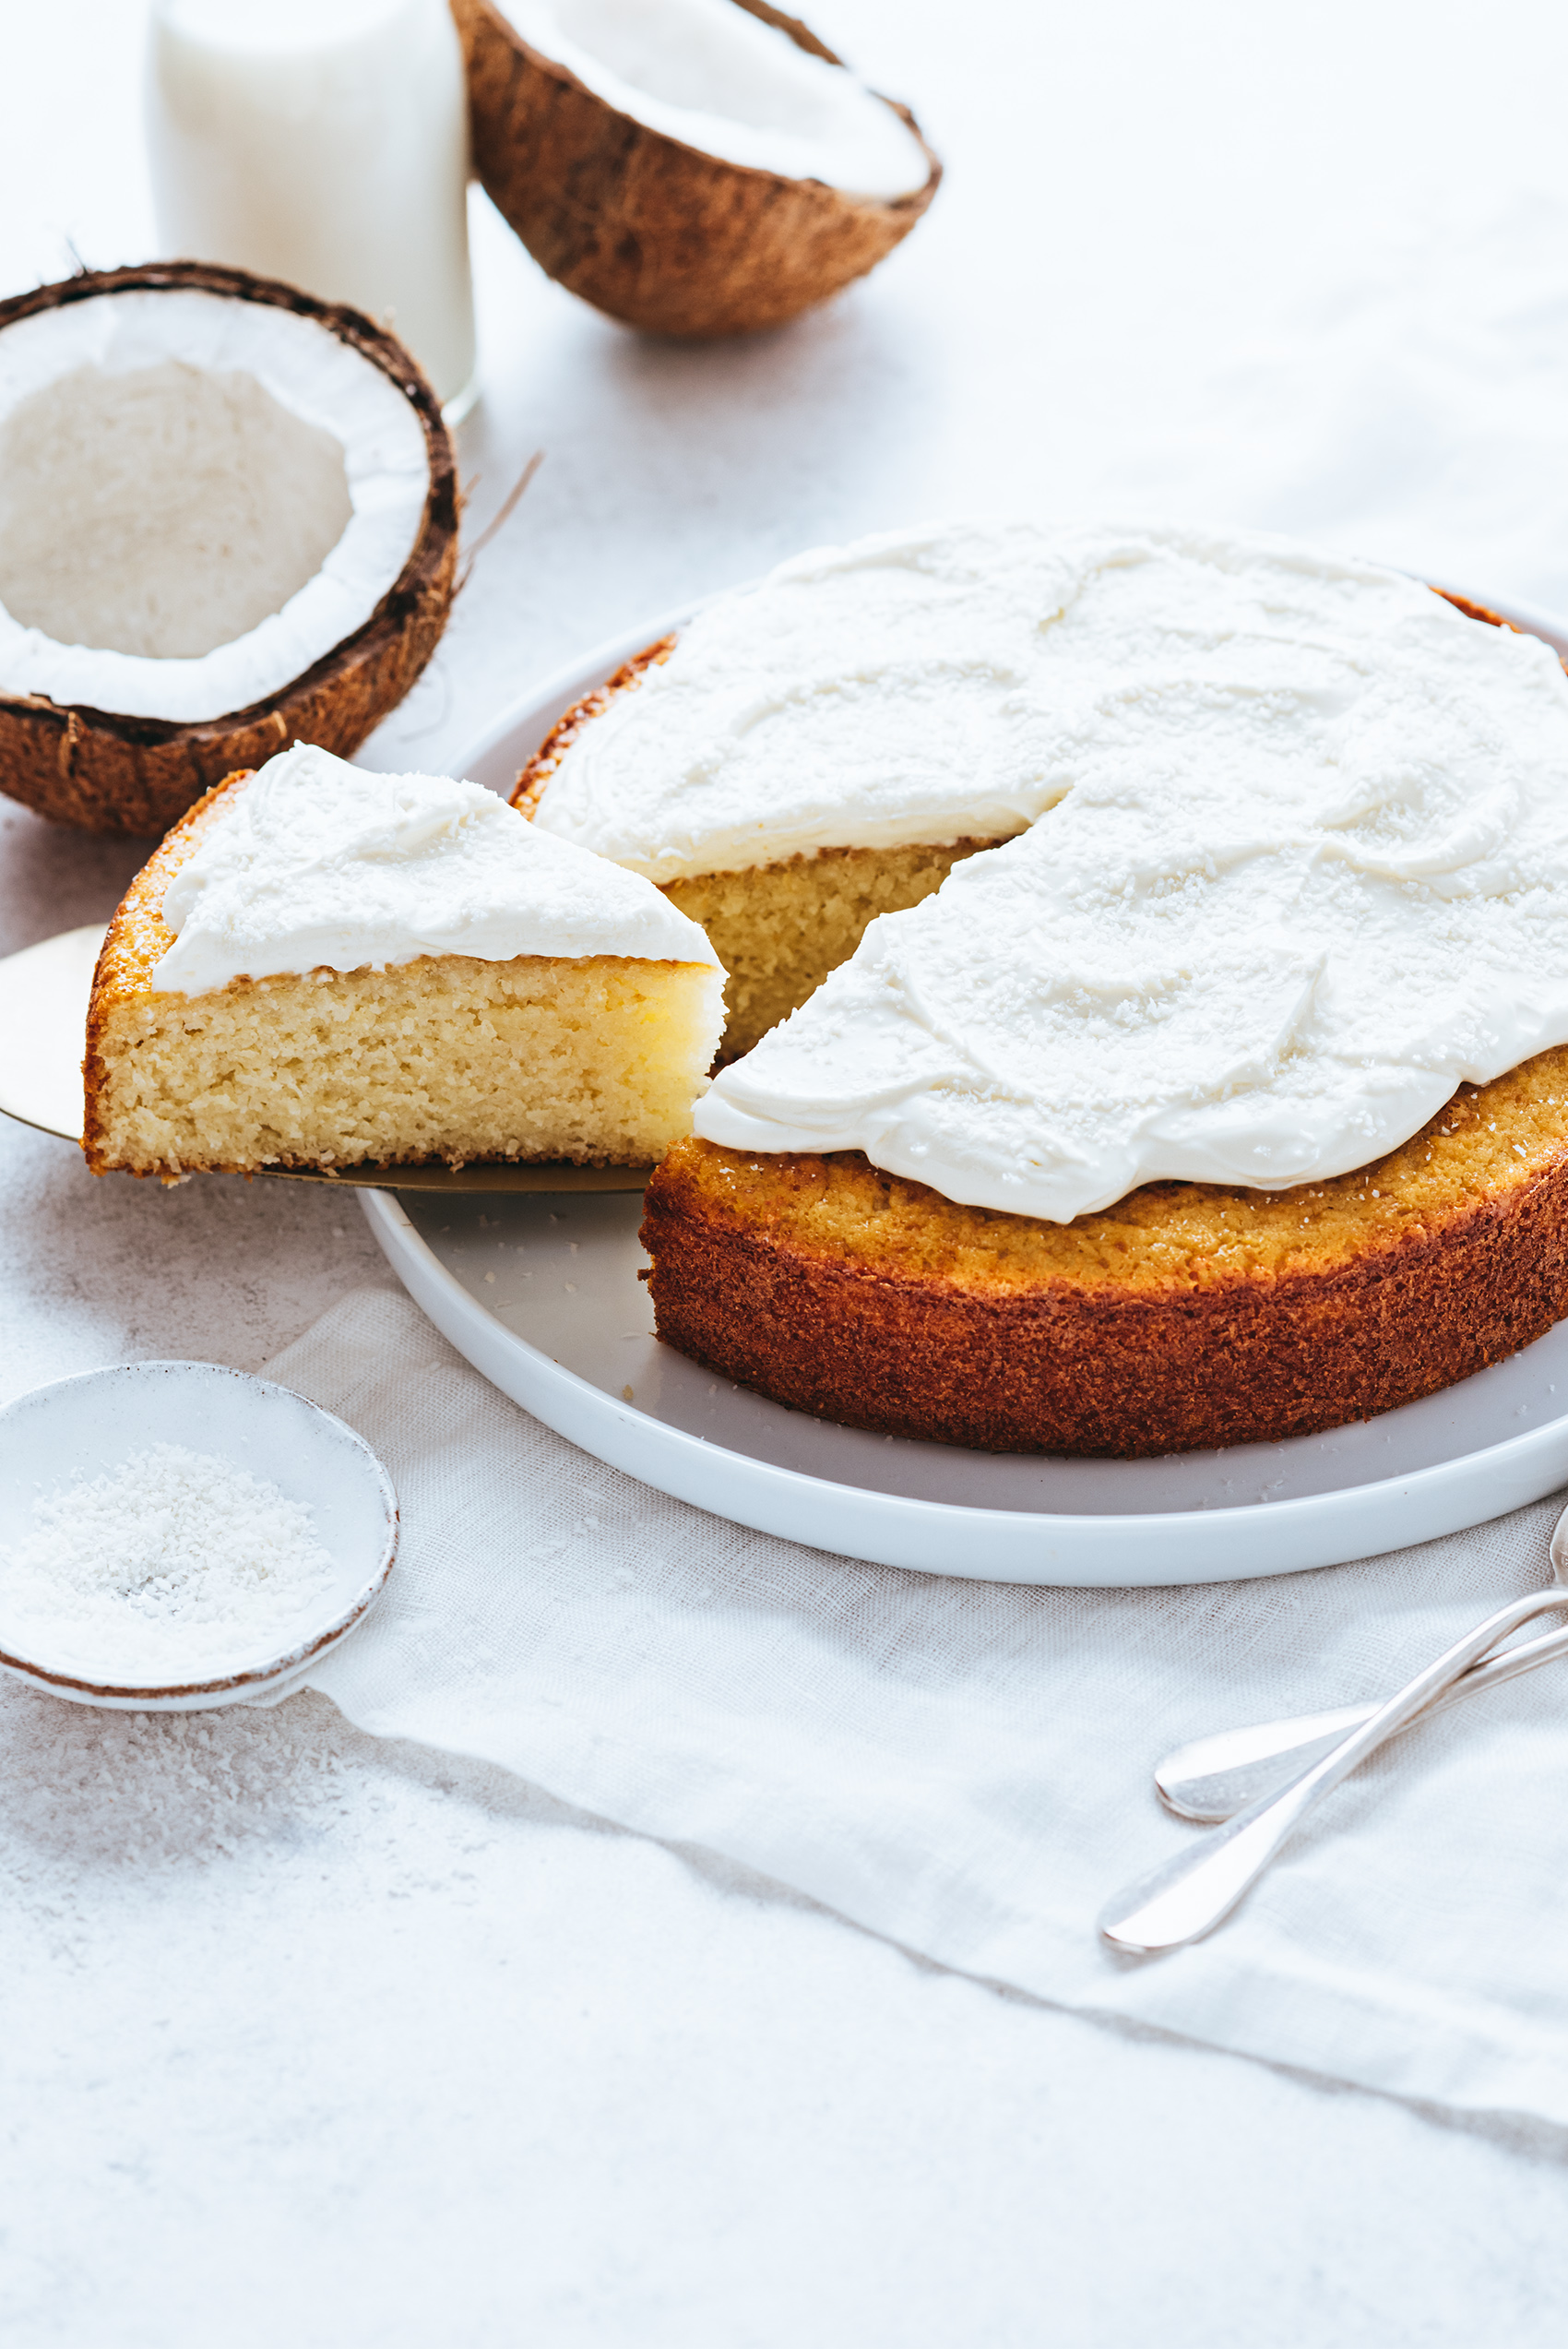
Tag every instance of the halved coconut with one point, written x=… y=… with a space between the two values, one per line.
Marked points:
x=694 y=167
x=228 y=517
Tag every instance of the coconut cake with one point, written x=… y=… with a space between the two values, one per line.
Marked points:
x=1224 y=1102
x=321 y=967
x=1186 y=1315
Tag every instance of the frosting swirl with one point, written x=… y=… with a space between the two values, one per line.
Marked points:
x=1299 y=866
x=318 y=864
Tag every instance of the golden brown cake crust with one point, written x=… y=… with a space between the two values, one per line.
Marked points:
x=137 y=940
x=1187 y=1315
x=529 y=786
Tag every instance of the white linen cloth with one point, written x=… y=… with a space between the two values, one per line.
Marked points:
x=965 y=1767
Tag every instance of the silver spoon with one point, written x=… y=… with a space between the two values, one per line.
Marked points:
x=1188 y=1896
x=1213 y=1778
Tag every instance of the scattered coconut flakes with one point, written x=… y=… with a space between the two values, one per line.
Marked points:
x=172 y=1564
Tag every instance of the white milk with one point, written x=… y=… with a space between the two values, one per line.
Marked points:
x=325 y=142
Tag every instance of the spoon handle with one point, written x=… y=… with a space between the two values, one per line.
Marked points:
x=1190 y=1895
x=1213 y=1778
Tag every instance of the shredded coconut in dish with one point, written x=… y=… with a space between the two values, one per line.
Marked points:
x=169 y=1567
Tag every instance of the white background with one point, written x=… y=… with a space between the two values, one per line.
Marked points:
x=314 y=2039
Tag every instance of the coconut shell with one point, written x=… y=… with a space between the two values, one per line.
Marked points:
x=109 y=773
x=658 y=233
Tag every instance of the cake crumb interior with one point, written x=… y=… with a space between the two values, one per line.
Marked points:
x=595 y=1059
x=780 y=929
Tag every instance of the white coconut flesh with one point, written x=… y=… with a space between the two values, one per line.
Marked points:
x=199 y=498
x=706 y=73
x=192 y=456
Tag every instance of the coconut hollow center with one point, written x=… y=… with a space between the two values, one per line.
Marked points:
x=714 y=76
x=161 y=512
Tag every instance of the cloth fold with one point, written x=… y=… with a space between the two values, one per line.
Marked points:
x=965 y=1767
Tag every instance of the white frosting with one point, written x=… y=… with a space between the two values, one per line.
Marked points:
x=1304 y=868
x=706 y=73
x=318 y=864
x=901 y=690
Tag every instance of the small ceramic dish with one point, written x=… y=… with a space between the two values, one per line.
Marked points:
x=87 y=1425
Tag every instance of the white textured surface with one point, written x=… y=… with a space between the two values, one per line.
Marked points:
x=318 y=864
x=432 y=2057
x=962 y=679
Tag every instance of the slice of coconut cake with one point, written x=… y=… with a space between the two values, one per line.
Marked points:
x=321 y=967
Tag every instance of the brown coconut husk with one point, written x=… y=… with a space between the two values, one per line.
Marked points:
x=109 y=773
x=655 y=233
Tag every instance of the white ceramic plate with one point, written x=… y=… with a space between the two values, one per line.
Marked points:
x=542 y=1295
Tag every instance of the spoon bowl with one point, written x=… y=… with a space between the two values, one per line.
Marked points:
x=1211 y=1778
x=1187 y=1896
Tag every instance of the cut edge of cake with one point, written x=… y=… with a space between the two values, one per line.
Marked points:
x=779 y=927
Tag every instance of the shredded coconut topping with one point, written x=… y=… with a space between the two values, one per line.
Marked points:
x=174 y=1565
x=318 y=864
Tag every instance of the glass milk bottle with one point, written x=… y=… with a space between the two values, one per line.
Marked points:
x=325 y=142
